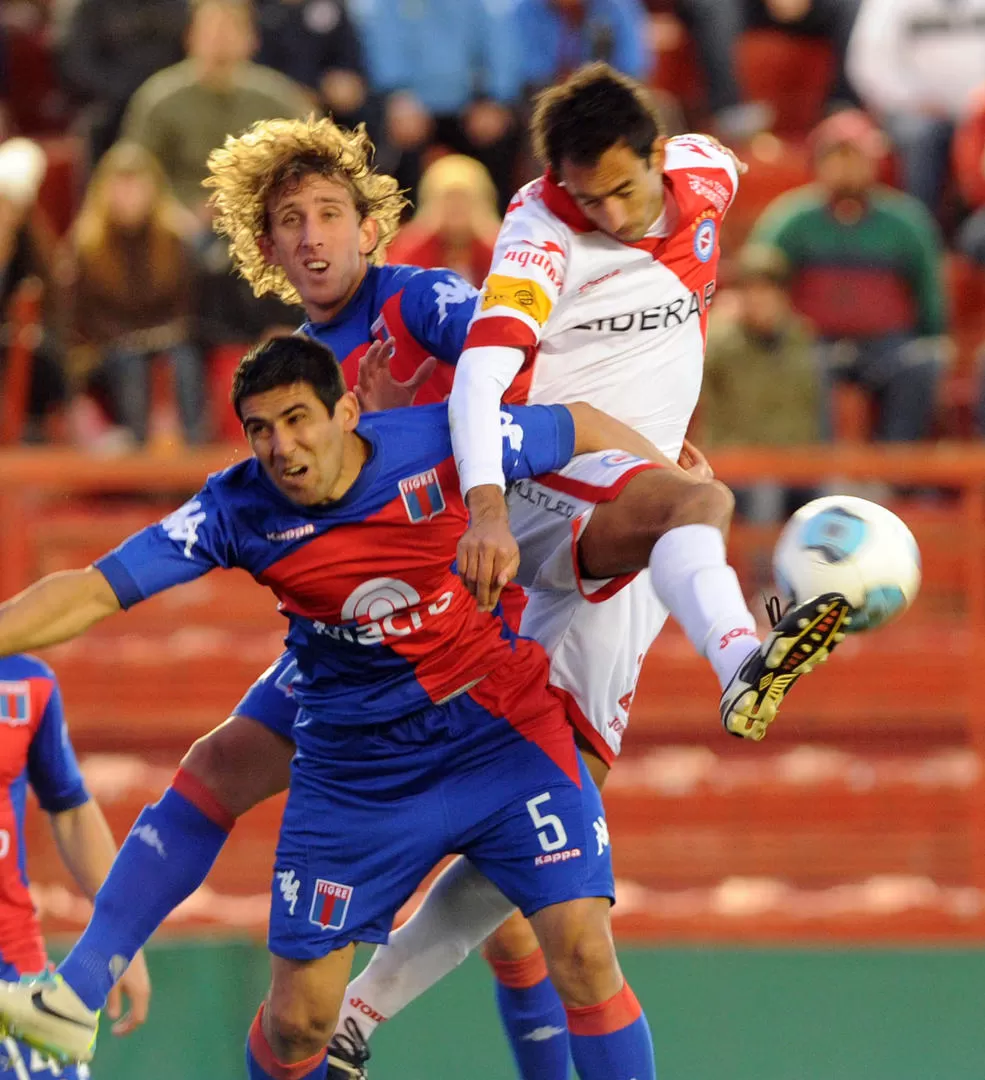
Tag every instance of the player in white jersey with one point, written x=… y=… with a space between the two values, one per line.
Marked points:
x=599 y=291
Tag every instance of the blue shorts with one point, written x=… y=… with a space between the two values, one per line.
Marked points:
x=270 y=700
x=366 y=821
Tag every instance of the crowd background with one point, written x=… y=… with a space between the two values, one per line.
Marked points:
x=862 y=121
x=851 y=313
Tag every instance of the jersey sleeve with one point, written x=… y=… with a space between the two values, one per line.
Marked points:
x=526 y=277
x=705 y=167
x=188 y=543
x=52 y=768
x=536 y=439
x=437 y=307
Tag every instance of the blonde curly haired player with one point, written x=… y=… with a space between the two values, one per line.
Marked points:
x=276 y=155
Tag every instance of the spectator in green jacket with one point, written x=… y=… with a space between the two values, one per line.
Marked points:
x=183 y=112
x=760 y=380
x=865 y=267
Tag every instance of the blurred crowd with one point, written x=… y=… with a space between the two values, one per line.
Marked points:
x=852 y=303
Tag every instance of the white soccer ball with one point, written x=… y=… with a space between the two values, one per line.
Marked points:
x=858 y=548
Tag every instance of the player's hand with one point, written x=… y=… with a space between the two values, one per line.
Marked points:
x=692 y=461
x=488 y=555
x=135 y=984
x=740 y=166
x=377 y=389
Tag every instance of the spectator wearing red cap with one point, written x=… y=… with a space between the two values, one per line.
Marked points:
x=865 y=266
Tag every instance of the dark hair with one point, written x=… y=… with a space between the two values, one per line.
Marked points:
x=593 y=109
x=284 y=361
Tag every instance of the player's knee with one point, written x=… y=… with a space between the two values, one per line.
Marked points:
x=586 y=970
x=208 y=760
x=297 y=1028
x=514 y=940
x=709 y=502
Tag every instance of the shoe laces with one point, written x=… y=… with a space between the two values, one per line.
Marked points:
x=774 y=609
x=350 y=1043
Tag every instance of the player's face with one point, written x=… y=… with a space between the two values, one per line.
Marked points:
x=622 y=193
x=310 y=456
x=315 y=234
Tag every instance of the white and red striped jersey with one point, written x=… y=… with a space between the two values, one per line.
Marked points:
x=618 y=325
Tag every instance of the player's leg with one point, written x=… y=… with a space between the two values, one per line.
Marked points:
x=530 y=1010
x=165 y=857
x=548 y=849
x=676 y=526
x=19 y=1061
x=293 y=1025
x=359 y=833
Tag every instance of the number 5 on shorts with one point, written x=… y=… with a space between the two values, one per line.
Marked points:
x=545 y=822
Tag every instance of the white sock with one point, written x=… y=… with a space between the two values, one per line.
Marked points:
x=695 y=583
x=461 y=909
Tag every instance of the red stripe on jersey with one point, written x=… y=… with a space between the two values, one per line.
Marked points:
x=408 y=356
x=580 y=722
x=563 y=206
x=595 y=493
x=20 y=932
x=426 y=616
x=519 y=693
x=501 y=331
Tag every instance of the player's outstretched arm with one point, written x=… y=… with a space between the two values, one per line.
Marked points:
x=57 y=608
x=87 y=848
x=596 y=431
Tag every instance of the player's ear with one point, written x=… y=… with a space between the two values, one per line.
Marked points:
x=369 y=235
x=658 y=152
x=347 y=411
x=266 y=246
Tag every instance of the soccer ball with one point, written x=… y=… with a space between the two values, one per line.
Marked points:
x=852 y=546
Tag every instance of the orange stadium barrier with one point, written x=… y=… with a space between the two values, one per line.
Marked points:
x=862 y=816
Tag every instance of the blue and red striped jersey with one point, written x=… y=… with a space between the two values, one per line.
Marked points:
x=427 y=312
x=35 y=750
x=379 y=621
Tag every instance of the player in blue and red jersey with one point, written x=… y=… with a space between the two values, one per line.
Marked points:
x=36 y=752
x=426 y=726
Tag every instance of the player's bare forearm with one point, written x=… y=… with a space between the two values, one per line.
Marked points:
x=85 y=844
x=57 y=608
x=596 y=430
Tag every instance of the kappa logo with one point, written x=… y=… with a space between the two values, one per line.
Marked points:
x=182 y=526
x=15 y=703
x=151 y=838
x=422 y=496
x=292 y=534
x=542 y=1034
x=330 y=904
x=601 y=833
x=452 y=292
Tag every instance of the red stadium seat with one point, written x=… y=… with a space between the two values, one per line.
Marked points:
x=791 y=73
x=220 y=365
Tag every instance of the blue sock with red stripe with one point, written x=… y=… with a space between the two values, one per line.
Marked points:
x=612 y=1041
x=164 y=859
x=262 y=1065
x=533 y=1017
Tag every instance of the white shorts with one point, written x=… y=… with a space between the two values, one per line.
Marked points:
x=596 y=633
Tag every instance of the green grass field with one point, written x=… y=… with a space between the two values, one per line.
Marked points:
x=717 y=1014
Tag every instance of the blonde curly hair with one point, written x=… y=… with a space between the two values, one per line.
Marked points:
x=248 y=168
